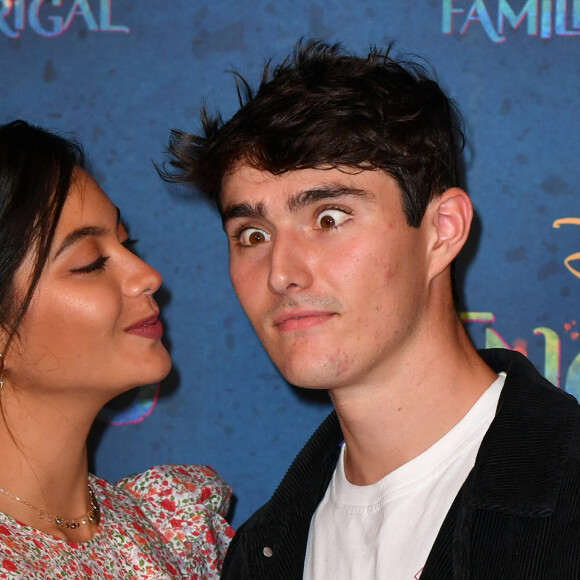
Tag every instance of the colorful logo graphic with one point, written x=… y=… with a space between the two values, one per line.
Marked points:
x=141 y=407
x=570 y=380
x=543 y=18
x=53 y=17
x=572 y=221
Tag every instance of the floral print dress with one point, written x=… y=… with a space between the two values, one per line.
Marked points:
x=165 y=523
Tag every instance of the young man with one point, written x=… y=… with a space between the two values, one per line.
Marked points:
x=338 y=187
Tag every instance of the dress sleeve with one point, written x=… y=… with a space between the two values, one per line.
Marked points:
x=187 y=504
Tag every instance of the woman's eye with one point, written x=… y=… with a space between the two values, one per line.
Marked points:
x=95 y=265
x=253 y=237
x=331 y=218
x=130 y=244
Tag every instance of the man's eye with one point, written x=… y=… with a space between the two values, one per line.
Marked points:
x=253 y=237
x=331 y=218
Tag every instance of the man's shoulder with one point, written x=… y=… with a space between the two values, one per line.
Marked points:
x=529 y=403
x=524 y=382
x=533 y=443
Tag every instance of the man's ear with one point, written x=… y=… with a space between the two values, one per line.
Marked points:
x=449 y=216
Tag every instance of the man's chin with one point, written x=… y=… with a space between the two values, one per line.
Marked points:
x=315 y=375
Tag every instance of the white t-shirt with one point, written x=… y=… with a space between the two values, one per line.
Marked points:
x=386 y=530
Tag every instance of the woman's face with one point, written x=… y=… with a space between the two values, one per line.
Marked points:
x=91 y=328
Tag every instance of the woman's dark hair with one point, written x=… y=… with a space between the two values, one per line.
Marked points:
x=36 y=170
x=324 y=108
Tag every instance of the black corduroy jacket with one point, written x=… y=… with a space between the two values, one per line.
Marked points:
x=517 y=516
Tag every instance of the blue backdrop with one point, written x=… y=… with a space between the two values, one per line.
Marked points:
x=119 y=74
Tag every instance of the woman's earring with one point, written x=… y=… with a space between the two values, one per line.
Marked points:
x=1 y=371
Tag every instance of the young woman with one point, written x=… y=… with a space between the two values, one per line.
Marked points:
x=79 y=325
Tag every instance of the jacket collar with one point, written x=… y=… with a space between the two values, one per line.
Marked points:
x=522 y=457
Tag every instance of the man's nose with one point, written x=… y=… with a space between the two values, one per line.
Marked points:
x=290 y=269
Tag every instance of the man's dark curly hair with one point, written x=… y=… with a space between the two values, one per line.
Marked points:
x=323 y=108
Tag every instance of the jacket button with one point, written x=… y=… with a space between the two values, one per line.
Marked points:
x=268 y=552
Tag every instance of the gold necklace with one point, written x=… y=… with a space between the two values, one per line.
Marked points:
x=93 y=515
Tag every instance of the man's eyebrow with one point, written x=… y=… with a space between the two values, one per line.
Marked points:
x=322 y=192
x=294 y=203
x=244 y=210
x=81 y=233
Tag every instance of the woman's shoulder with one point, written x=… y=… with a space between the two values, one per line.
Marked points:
x=187 y=504
x=168 y=487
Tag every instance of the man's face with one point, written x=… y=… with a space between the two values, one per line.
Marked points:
x=326 y=268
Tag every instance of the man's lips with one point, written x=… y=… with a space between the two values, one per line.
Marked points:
x=150 y=327
x=300 y=320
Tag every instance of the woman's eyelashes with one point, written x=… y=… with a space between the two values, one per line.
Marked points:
x=94 y=266
x=130 y=244
x=100 y=261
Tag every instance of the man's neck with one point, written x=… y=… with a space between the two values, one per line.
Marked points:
x=386 y=424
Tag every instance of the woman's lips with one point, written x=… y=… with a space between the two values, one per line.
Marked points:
x=147 y=328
